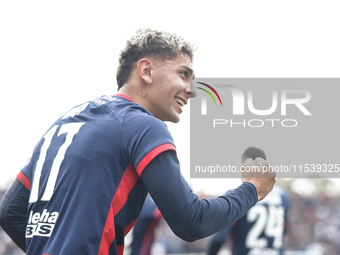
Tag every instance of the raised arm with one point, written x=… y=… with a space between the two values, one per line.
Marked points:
x=188 y=216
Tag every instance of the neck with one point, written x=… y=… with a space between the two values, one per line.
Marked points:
x=138 y=94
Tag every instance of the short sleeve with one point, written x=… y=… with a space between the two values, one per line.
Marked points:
x=144 y=138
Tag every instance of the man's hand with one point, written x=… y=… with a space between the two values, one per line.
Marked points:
x=260 y=174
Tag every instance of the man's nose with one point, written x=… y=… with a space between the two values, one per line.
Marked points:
x=191 y=91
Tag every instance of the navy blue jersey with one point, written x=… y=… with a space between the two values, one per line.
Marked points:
x=88 y=177
x=141 y=236
x=85 y=189
x=260 y=230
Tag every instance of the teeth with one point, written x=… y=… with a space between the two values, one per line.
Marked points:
x=180 y=101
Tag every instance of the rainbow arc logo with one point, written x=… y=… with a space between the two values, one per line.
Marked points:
x=207 y=91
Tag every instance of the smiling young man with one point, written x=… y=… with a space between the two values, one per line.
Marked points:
x=89 y=174
x=162 y=86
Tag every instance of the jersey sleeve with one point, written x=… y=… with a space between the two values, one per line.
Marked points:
x=189 y=217
x=144 y=138
x=13 y=210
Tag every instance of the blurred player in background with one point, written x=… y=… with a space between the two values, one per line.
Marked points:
x=89 y=175
x=140 y=239
x=260 y=231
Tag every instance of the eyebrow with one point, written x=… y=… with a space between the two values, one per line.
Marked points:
x=189 y=70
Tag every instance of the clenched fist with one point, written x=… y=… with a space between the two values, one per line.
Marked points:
x=259 y=173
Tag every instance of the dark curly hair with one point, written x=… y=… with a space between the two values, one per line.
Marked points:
x=154 y=43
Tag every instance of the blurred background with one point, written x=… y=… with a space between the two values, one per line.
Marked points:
x=54 y=55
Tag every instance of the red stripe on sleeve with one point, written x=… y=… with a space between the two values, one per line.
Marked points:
x=125 y=186
x=24 y=180
x=151 y=155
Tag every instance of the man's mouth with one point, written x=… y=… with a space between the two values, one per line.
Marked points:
x=180 y=101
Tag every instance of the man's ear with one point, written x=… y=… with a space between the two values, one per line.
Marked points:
x=145 y=69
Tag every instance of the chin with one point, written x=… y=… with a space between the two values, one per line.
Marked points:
x=173 y=119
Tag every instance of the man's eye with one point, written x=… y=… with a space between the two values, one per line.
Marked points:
x=184 y=73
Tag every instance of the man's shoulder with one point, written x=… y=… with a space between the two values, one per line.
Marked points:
x=140 y=117
x=118 y=107
x=134 y=119
x=137 y=122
